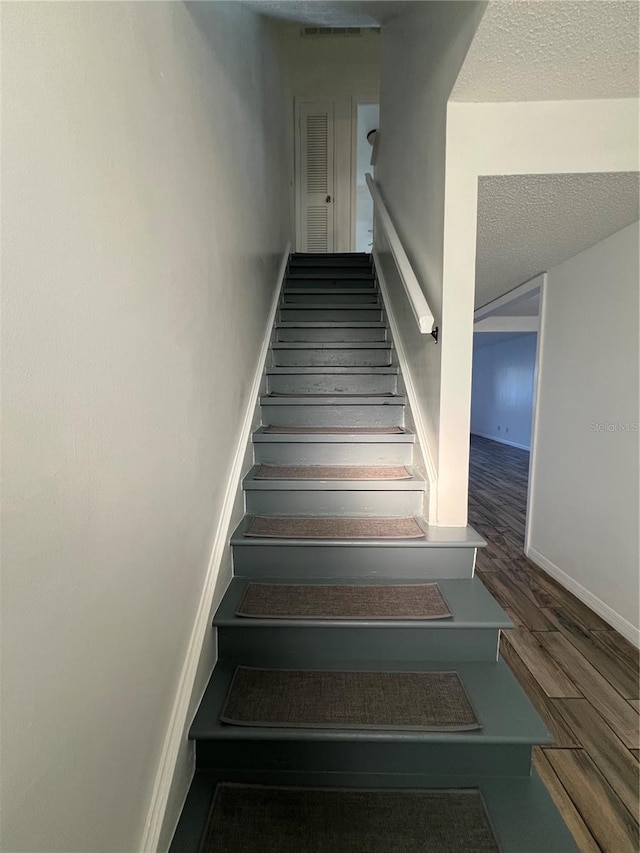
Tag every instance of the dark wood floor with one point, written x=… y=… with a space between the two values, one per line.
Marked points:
x=581 y=675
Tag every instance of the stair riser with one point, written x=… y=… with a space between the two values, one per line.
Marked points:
x=329 y=453
x=333 y=415
x=456 y=759
x=338 y=315
x=366 y=285
x=329 y=503
x=342 y=262
x=316 y=298
x=339 y=335
x=287 y=562
x=338 y=265
x=330 y=383
x=332 y=273
x=293 y=647
x=332 y=357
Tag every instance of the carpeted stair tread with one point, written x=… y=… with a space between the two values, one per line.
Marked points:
x=296 y=527
x=356 y=699
x=330 y=430
x=342 y=601
x=331 y=394
x=332 y=472
x=262 y=818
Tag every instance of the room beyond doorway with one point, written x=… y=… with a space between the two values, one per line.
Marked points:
x=367 y=119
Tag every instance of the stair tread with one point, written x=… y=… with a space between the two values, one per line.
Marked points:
x=333 y=400
x=500 y=704
x=348 y=345
x=332 y=306
x=521 y=811
x=435 y=537
x=299 y=291
x=327 y=324
x=471 y=605
x=330 y=369
x=352 y=436
x=352 y=274
x=414 y=482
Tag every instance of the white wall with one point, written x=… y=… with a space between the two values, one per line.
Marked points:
x=346 y=70
x=421 y=54
x=502 y=392
x=144 y=145
x=583 y=512
x=549 y=137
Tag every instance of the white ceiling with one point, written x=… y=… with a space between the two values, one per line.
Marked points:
x=529 y=223
x=322 y=13
x=527 y=50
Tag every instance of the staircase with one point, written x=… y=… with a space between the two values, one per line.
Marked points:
x=334 y=500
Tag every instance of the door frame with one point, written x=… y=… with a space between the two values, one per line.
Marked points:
x=531 y=480
x=482 y=314
x=298 y=101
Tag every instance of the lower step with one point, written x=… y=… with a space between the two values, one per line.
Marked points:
x=440 y=553
x=325 y=494
x=469 y=633
x=522 y=815
x=508 y=724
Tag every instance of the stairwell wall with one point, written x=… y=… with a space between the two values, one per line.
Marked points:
x=146 y=169
x=421 y=54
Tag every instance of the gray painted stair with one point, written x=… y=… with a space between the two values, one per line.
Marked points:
x=331 y=386
x=321 y=296
x=521 y=811
x=331 y=312
x=444 y=552
x=334 y=497
x=330 y=332
x=471 y=634
x=328 y=380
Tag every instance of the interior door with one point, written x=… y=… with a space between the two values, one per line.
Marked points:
x=315 y=177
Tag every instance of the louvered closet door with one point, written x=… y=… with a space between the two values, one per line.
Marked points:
x=316 y=213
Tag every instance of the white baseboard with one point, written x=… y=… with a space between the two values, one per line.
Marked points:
x=501 y=440
x=178 y=723
x=621 y=625
x=421 y=430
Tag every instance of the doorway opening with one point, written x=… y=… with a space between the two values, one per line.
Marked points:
x=505 y=353
x=367 y=122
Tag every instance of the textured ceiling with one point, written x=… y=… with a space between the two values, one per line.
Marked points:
x=548 y=51
x=322 y=13
x=529 y=223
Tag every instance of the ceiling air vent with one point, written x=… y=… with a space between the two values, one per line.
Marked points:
x=331 y=31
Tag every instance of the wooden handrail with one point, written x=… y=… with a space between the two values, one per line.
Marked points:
x=419 y=305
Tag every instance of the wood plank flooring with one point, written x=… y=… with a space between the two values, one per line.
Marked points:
x=581 y=675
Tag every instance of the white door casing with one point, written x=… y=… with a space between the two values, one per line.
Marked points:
x=315 y=178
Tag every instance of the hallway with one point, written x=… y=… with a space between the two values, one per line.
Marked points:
x=580 y=674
